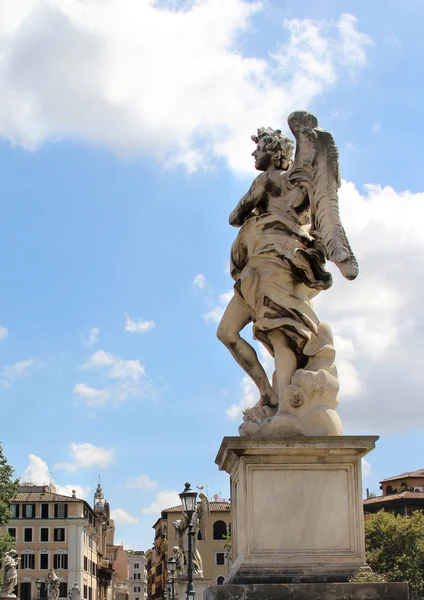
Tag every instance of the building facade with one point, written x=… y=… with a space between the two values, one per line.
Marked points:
x=54 y=531
x=138 y=575
x=215 y=558
x=401 y=494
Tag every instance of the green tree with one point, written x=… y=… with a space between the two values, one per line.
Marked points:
x=8 y=489
x=395 y=547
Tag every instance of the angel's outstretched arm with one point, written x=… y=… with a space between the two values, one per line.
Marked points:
x=249 y=201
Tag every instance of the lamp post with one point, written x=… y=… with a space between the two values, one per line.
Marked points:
x=172 y=565
x=169 y=589
x=38 y=586
x=188 y=500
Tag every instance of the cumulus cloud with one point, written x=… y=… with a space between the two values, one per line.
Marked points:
x=37 y=472
x=214 y=315
x=376 y=319
x=11 y=373
x=91 y=396
x=121 y=517
x=164 y=499
x=139 y=326
x=141 y=482
x=86 y=455
x=199 y=281
x=86 y=71
x=92 y=338
x=4 y=332
x=128 y=377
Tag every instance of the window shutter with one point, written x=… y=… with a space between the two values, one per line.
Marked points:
x=17 y=510
x=33 y=510
x=66 y=511
x=65 y=561
x=55 y=561
x=55 y=511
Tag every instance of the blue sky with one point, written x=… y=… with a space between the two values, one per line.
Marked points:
x=124 y=145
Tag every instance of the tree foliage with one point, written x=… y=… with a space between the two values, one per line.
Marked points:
x=8 y=489
x=395 y=547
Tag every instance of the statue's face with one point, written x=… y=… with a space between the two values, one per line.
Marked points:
x=262 y=158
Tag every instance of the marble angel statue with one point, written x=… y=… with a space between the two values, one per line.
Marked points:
x=199 y=523
x=10 y=574
x=289 y=227
x=53 y=585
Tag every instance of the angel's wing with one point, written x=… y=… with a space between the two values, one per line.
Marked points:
x=316 y=166
x=203 y=510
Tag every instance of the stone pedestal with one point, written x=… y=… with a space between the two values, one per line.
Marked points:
x=297 y=513
x=200 y=585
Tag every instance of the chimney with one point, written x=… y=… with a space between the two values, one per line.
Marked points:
x=368 y=493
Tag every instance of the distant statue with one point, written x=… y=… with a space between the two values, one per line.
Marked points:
x=199 y=523
x=10 y=574
x=289 y=226
x=53 y=585
x=179 y=560
x=75 y=592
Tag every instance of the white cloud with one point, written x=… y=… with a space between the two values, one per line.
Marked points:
x=11 y=373
x=93 y=337
x=199 y=281
x=128 y=376
x=366 y=468
x=38 y=473
x=4 y=332
x=86 y=71
x=214 y=315
x=121 y=517
x=87 y=455
x=164 y=499
x=91 y=396
x=141 y=482
x=139 y=326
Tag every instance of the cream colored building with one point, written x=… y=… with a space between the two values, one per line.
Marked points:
x=137 y=563
x=54 y=531
x=216 y=562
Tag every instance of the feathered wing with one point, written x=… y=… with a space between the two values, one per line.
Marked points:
x=316 y=166
x=203 y=510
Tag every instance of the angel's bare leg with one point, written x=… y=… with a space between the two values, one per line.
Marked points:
x=235 y=318
x=285 y=360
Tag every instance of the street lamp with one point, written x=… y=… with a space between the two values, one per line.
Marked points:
x=169 y=589
x=172 y=565
x=38 y=586
x=188 y=500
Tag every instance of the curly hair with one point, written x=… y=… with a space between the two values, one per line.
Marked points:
x=278 y=145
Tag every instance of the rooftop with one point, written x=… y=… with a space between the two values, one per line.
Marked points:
x=40 y=493
x=418 y=473
x=214 y=506
x=394 y=497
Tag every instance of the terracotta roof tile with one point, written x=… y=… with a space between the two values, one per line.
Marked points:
x=392 y=497
x=214 y=506
x=418 y=473
x=46 y=497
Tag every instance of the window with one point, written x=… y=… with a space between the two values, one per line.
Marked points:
x=220 y=580
x=137 y=589
x=85 y=591
x=28 y=511
x=43 y=590
x=60 y=511
x=14 y=509
x=63 y=589
x=12 y=531
x=220 y=558
x=59 y=534
x=27 y=561
x=44 y=561
x=44 y=534
x=136 y=575
x=136 y=566
x=28 y=534
x=85 y=563
x=219 y=530
x=90 y=593
x=60 y=561
x=44 y=511
x=25 y=591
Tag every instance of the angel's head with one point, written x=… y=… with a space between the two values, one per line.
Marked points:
x=273 y=149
